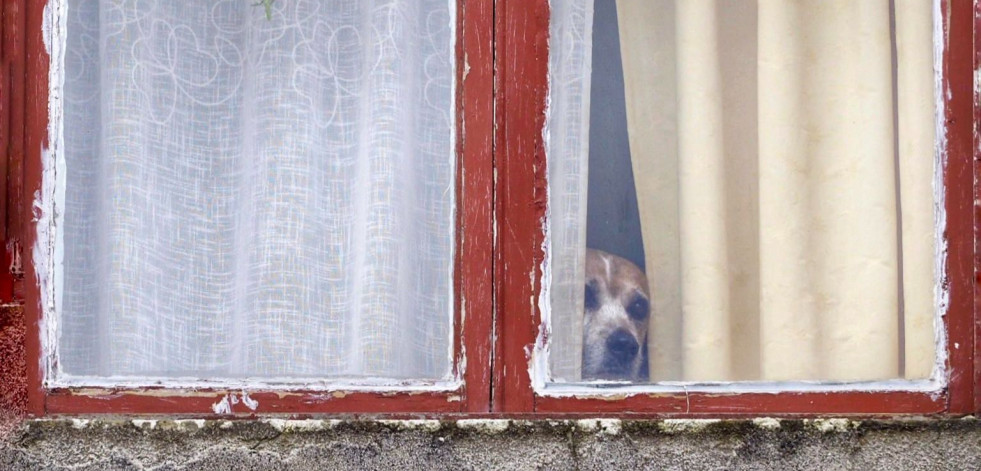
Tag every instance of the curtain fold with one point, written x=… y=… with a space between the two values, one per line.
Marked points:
x=648 y=47
x=916 y=128
x=259 y=197
x=827 y=192
x=783 y=157
x=705 y=297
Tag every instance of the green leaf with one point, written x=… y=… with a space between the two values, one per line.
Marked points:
x=268 y=6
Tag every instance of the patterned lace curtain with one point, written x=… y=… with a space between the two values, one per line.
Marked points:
x=567 y=146
x=258 y=197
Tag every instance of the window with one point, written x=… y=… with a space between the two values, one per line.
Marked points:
x=805 y=318
x=265 y=202
x=233 y=108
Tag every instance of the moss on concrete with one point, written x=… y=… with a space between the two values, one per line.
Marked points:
x=122 y=443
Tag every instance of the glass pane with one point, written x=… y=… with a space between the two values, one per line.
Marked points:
x=742 y=190
x=253 y=195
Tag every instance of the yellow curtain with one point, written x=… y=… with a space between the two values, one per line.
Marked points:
x=783 y=155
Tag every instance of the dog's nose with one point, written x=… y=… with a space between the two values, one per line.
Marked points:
x=622 y=345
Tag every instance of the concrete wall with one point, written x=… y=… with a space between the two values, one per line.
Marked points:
x=433 y=445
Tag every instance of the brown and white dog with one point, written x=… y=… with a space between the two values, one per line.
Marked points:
x=617 y=315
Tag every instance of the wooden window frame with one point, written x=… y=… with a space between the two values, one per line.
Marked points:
x=522 y=42
x=25 y=133
x=502 y=57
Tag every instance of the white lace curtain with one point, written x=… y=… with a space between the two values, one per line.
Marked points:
x=783 y=155
x=253 y=196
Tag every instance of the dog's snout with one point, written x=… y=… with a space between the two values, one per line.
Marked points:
x=622 y=345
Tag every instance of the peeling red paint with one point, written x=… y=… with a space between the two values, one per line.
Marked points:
x=503 y=112
x=977 y=205
x=13 y=326
x=475 y=200
x=962 y=229
x=521 y=42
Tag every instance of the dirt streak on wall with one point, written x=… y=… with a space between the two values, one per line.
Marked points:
x=13 y=368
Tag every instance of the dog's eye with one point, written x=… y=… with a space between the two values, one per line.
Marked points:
x=638 y=309
x=591 y=300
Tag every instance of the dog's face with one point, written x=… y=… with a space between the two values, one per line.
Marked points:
x=617 y=313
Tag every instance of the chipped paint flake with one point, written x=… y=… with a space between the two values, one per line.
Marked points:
x=229 y=401
x=252 y=404
x=223 y=406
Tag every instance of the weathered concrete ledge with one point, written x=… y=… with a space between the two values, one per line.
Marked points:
x=136 y=444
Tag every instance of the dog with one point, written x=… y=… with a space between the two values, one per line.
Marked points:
x=617 y=311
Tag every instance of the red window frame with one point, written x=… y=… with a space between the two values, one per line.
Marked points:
x=522 y=42
x=25 y=94
x=502 y=56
